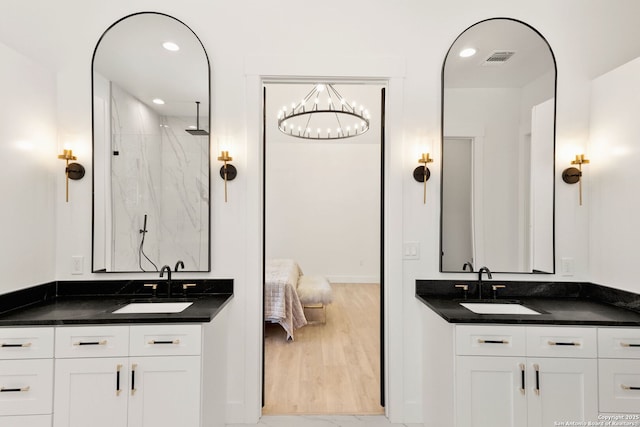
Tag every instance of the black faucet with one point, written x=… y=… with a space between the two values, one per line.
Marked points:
x=467 y=264
x=482 y=270
x=168 y=270
x=179 y=264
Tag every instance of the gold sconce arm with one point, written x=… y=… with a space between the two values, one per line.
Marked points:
x=422 y=173
x=573 y=175
x=228 y=172
x=73 y=171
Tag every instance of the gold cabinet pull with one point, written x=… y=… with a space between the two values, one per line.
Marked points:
x=175 y=342
x=13 y=345
x=628 y=387
x=15 y=389
x=522 y=384
x=536 y=367
x=560 y=343
x=80 y=343
x=483 y=341
x=627 y=344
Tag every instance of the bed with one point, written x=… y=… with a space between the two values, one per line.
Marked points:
x=281 y=302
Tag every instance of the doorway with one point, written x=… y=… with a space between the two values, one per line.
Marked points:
x=323 y=208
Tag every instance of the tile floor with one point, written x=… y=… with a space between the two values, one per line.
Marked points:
x=324 y=421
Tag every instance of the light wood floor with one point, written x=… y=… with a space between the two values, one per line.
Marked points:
x=331 y=368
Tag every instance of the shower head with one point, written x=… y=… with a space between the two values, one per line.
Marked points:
x=197 y=131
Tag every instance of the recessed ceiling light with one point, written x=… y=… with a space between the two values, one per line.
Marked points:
x=158 y=101
x=171 y=46
x=465 y=53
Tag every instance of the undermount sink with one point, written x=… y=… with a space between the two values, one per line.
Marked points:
x=497 y=308
x=153 y=307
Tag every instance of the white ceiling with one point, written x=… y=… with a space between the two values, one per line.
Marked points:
x=131 y=55
x=532 y=58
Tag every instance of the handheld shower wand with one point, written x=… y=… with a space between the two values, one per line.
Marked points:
x=141 y=253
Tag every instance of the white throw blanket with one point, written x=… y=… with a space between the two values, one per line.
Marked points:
x=281 y=302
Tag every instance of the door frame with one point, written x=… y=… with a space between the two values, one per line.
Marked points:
x=387 y=71
x=381 y=86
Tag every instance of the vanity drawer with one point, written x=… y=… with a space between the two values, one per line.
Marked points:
x=619 y=343
x=92 y=341
x=166 y=340
x=619 y=385
x=490 y=340
x=26 y=387
x=553 y=341
x=26 y=343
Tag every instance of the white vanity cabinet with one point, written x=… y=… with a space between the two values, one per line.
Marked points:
x=26 y=377
x=508 y=376
x=137 y=376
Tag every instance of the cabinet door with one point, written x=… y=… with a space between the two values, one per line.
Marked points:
x=489 y=392
x=560 y=390
x=165 y=391
x=91 y=392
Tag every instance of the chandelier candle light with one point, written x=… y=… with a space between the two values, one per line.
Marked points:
x=324 y=115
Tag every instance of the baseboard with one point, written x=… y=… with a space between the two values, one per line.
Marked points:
x=353 y=279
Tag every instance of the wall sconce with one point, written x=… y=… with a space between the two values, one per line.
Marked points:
x=228 y=172
x=572 y=175
x=422 y=173
x=73 y=171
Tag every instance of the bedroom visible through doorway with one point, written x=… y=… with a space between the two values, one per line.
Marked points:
x=323 y=212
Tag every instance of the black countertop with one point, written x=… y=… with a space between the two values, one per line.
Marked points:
x=93 y=302
x=560 y=303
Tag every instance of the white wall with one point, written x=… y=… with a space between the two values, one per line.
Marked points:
x=323 y=208
x=612 y=177
x=28 y=151
x=412 y=36
x=496 y=113
x=323 y=197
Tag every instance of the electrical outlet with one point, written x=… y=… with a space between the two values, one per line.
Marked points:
x=77 y=264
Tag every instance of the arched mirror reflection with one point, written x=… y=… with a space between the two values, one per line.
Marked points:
x=150 y=147
x=498 y=150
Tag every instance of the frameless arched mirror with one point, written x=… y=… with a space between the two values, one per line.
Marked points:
x=150 y=146
x=498 y=150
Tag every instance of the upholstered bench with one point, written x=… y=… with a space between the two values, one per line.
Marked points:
x=314 y=292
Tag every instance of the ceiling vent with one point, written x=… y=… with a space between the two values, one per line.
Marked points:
x=499 y=57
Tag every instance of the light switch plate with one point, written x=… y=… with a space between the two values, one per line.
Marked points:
x=411 y=250
x=567 y=266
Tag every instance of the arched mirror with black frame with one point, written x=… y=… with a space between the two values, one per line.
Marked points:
x=498 y=150
x=151 y=147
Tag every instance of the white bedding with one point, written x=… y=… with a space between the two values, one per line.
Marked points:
x=281 y=302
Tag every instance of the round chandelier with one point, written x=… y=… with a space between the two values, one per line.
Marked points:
x=323 y=114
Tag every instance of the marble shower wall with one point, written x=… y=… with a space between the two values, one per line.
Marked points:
x=161 y=171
